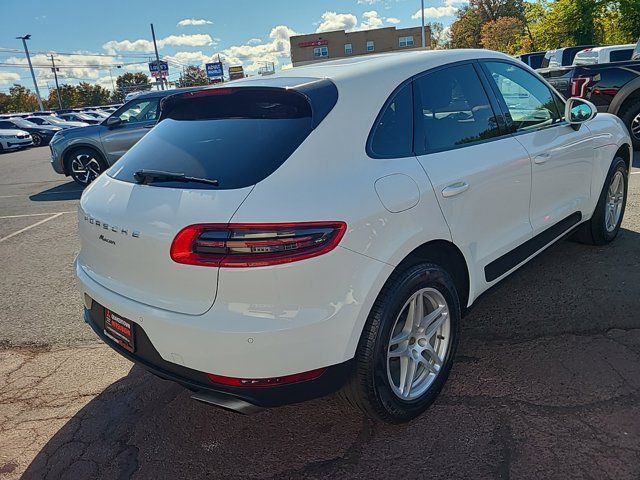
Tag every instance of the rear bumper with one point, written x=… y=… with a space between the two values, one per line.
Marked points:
x=243 y=400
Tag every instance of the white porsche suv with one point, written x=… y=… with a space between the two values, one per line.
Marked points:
x=324 y=229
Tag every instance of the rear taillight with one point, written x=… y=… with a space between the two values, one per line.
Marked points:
x=254 y=244
x=579 y=86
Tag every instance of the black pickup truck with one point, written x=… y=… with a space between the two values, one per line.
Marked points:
x=612 y=87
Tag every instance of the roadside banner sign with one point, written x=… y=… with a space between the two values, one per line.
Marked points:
x=236 y=72
x=214 y=69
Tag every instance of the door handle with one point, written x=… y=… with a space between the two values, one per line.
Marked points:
x=542 y=158
x=149 y=126
x=455 y=189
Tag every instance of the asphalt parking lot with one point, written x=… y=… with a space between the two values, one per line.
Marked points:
x=546 y=383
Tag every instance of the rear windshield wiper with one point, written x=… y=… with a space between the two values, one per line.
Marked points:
x=145 y=177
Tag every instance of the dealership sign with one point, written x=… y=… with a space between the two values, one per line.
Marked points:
x=163 y=71
x=236 y=72
x=214 y=69
x=315 y=43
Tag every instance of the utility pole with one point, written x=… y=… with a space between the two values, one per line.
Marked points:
x=55 y=75
x=424 y=41
x=33 y=75
x=155 y=47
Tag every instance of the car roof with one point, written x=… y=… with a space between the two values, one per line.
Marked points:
x=609 y=48
x=392 y=67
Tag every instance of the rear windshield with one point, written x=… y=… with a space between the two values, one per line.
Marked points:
x=237 y=136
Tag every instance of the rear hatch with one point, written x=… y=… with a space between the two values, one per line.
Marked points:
x=221 y=142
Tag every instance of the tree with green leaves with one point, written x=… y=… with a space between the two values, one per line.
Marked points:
x=21 y=99
x=193 y=76
x=438 y=35
x=504 y=34
x=130 y=82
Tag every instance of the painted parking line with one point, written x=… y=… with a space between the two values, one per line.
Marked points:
x=635 y=173
x=35 y=214
x=11 y=235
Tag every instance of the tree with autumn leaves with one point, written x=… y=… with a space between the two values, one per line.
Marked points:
x=516 y=26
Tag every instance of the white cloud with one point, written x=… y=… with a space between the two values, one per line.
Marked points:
x=330 y=21
x=337 y=21
x=250 y=55
x=142 y=45
x=254 y=41
x=193 y=22
x=370 y=20
x=459 y=3
x=9 y=77
x=368 y=2
x=436 y=12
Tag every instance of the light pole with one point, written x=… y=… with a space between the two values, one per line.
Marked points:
x=55 y=75
x=155 y=47
x=422 y=29
x=33 y=75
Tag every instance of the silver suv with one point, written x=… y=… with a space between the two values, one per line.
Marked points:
x=84 y=153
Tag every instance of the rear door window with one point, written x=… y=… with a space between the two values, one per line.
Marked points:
x=237 y=136
x=452 y=109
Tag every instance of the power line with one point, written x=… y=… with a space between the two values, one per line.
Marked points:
x=141 y=54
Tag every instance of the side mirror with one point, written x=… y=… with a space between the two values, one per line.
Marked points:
x=578 y=110
x=113 y=122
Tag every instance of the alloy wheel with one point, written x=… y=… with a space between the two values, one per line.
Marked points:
x=420 y=340
x=615 y=200
x=37 y=140
x=85 y=168
x=635 y=126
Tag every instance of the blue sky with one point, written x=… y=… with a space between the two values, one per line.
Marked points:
x=189 y=32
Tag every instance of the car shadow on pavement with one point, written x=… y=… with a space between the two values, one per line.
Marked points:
x=66 y=191
x=545 y=385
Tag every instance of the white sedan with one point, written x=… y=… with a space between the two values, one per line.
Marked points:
x=325 y=229
x=12 y=139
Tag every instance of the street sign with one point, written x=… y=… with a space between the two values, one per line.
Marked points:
x=214 y=69
x=153 y=67
x=236 y=72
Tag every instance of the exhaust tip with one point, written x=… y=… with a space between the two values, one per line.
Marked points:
x=227 y=402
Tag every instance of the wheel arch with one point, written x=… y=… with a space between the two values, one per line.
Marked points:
x=447 y=255
x=625 y=153
x=66 y=154
x=627 y=94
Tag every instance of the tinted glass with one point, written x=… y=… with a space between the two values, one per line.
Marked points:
x=535 y=61
x=5 y=124
x=392 y=135
x=452 y=109
x=37 y=120
x=621 y=55
x=238 y=138
x=138 y=111
x=530 y=102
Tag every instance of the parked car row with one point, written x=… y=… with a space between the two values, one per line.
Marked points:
x=84 y=153
x=20 y=130
x=608 y=76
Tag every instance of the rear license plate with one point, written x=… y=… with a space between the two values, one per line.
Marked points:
x=119 y=330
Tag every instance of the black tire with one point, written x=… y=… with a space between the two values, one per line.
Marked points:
x=369 y=387
x=37 y=139
x=86 y=158
x=630 y=113
x=595 y=231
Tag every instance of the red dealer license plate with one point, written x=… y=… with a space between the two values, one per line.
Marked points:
x=119 y=330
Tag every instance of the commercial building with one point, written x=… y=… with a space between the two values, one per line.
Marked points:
x=315 y=47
